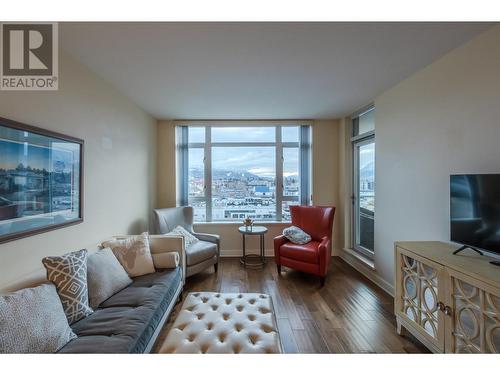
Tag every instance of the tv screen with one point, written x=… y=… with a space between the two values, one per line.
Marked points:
x=475 y=210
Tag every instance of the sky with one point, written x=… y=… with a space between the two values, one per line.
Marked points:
x=366 y=155
x=257 y=160
x=37 y=157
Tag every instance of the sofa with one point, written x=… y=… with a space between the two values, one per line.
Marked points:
x=130 y=320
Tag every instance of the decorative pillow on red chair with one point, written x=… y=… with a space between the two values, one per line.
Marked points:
x=296 y=235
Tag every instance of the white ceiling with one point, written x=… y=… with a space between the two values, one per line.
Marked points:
x=258 y=70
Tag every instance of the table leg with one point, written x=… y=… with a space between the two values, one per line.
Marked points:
x=244 y=251
x=262 y=248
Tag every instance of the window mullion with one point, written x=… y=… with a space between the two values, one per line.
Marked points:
x=208 y=172
x=279 y=174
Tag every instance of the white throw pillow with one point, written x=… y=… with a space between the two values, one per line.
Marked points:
x=189 y=239
x=105 y=276
x=296 y=235
x=33 y=321
x=133 y=253
x=166 y=260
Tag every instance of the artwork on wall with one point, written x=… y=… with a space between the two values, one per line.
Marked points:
x=41 y=180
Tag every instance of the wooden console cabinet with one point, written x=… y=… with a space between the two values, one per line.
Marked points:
x=451 y=303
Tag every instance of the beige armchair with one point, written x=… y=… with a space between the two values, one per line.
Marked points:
x=199 y=256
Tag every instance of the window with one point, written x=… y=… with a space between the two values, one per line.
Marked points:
x=363 y=195
x=229 y=173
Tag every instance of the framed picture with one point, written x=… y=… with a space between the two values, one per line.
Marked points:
x=41 y=180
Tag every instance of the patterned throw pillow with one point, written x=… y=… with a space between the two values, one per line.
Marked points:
x=32 y=321
x=296 y=235
x=69 y=275
x=133 y=253
x=189 y=239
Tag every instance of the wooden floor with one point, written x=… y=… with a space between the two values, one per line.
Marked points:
x=349 y=314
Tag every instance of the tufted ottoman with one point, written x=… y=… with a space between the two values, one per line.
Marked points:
x=224 y=323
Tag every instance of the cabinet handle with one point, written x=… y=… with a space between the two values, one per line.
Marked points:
x=447 y=310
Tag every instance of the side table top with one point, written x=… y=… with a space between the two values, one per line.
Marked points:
x=254 y=229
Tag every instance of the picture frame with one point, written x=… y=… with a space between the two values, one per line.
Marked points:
x=41 y=180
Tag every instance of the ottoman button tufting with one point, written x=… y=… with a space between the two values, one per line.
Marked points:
x=214 y=322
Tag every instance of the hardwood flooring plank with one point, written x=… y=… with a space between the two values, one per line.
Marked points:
x=350 y=314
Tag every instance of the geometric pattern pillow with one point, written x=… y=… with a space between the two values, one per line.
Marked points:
x=133 y=253
x=296 y=235
x=69 y=274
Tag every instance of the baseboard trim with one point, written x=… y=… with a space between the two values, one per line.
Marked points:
x=235 y=253
x=238 y=253
x=368 y=272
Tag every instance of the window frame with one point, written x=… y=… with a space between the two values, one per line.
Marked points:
x=358 y=140
x=278 y=145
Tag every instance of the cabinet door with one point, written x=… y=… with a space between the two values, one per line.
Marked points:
x=473 y=325
x=420 y=285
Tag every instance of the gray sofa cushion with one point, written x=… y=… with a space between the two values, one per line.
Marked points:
x=199 y=252
x=32 y=321
x=126 y=322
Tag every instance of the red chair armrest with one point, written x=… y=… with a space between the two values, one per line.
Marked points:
x=325 y=254
x=278 y=242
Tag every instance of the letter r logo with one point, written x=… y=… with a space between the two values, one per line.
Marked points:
x=27 y=49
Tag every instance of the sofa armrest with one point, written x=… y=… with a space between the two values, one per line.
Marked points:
x=162 y=243
x=213 y=238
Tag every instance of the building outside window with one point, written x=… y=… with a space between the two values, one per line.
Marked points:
x=231 y=172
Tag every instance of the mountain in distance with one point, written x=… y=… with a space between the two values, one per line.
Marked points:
x=221 y=173
x=367 y=172
x=235 y=174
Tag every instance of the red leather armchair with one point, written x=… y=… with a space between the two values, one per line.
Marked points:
x=313 y=257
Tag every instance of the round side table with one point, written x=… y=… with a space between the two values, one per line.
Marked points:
x=253 y=260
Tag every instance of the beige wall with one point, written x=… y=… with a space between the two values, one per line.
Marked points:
x=119 y=162
x=325 y=183
x=166 y=164
x=444 y=119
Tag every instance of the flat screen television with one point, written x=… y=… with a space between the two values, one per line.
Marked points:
x=475 y=211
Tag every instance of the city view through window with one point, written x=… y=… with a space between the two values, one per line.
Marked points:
x=364 y=174
x=367 y=177
x=244 y=172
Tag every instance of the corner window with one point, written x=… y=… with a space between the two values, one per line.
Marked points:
x=363 y=194
x=229 y=173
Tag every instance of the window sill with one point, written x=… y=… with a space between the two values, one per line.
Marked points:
x=241 y=223
x=366 y=261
